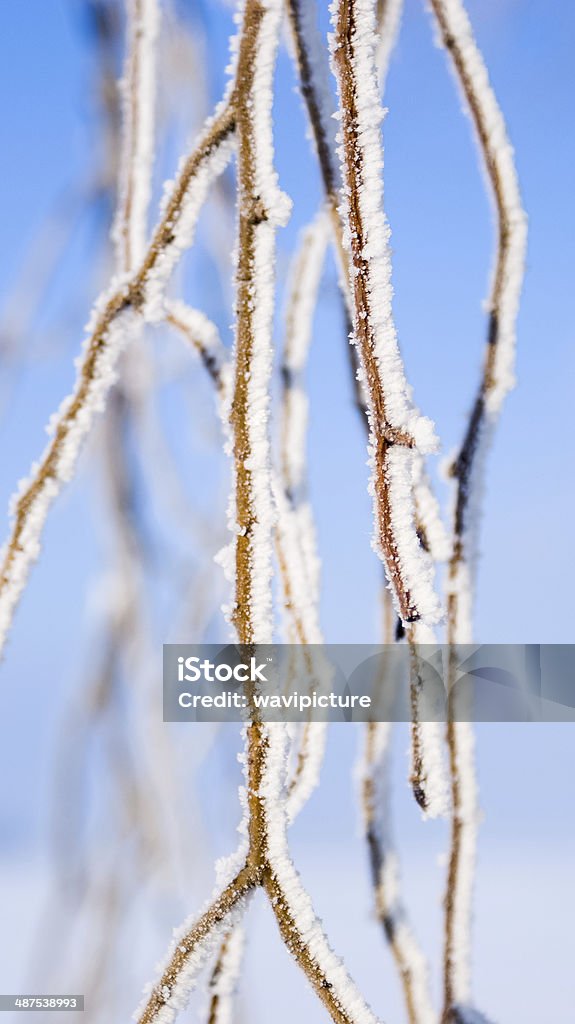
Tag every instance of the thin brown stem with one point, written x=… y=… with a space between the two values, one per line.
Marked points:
x=234 y=893
x=383 y=434
x=497 y=156
x=386 y=911
x=58 y=461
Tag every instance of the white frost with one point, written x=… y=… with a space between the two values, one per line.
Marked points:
x=298 y=901
x=138 y=89
x=374 y=776
x=375 y=267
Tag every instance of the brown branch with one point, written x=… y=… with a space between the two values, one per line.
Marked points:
x=235 y=892
x=22 y=546
x=463 y=465
x=388 y=914
x=383 y=434
x=497 y=157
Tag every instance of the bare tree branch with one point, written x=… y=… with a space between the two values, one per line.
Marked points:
x=456 y=35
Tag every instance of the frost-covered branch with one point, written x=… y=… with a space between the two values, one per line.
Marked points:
x=268 y=863
x=313 y=73
x=225 y=976
x=497 y=379
x=301 y=930
x=302 y=300
x=388 y=17
x=312 y=68
x=296 y=535
x=396 y=428
x=409 y=959
x=192 y=948
x=203 y=335
x=262 y=208
x=138 y=103
x=115 y=319
x=428 y=778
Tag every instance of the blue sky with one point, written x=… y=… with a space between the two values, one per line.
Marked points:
x=442 y=250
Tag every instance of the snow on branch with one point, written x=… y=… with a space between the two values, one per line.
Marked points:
x=397 y=430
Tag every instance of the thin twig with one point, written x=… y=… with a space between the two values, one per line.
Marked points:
x=409 y=959
x=467 y=470
x=395 y=427
x=114 y=320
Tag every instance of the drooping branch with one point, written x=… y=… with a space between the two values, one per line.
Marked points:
x=268 y=862
x=296 y=536
x=388 y=17
x=409 y=959
x=139 y=96
x=192 y=949
x=225 y=976
x=262 y=207
x=497 y=379
x=116 y=316
x=396 y=428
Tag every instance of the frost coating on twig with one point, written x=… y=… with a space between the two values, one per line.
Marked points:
x=457 y=979
x=498 y=377
x=428 y=516
x=225 y=976
x=295 y=512
x=183 y=227
x=138 y=89
x=396 y=428
x=262 y=208
x=305 y=277
x=297 y=544
x=309 y=53
x=193 y=945
x=467 y=470
x=115 y=319
x=456 y=34
x=428 y=774
x=292 y=905
x=204 y=336
x=389 y=21
x=433 y=778
x=310 y=757
x=295 y=538
x=374 y=778
x=68 y=428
